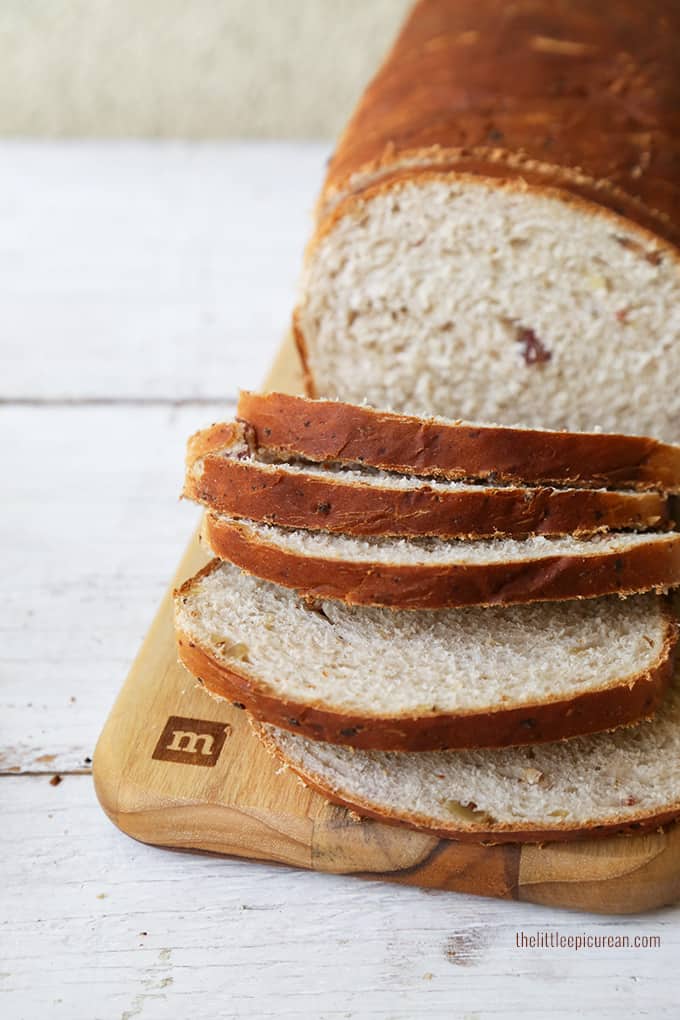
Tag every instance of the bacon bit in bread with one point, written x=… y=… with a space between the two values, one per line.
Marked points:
x=535 y=352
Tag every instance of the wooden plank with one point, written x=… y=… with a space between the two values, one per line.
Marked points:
x=243 y=805
x=99 y=926
x=149 y=271
x=90 y=520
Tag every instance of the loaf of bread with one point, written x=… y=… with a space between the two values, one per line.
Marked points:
x=497 y=234
x=431 y=573
x=436 y=621
x=372 y=678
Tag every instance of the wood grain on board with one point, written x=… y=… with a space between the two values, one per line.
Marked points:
x=177 y=768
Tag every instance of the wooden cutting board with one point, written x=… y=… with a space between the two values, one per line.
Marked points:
x=176 y=768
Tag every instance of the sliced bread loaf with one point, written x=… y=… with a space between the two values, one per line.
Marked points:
x=598 y=785
x=331 y=431
x=228 y=474
x=429 y=573
x=499 y=225
x=372 y=678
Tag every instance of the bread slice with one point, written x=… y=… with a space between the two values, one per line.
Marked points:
x=372 y=678
x=228 y=474
x=498 y=231
x=332 y=431
x=624 y=781
x=429 y=573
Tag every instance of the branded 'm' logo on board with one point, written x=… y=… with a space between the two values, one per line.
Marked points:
x=191 y=741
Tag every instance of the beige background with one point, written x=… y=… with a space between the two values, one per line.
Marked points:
x=188 y=68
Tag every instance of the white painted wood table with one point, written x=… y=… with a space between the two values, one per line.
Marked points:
x=140 y=286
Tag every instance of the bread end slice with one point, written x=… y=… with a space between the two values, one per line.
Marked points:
x=613 y=783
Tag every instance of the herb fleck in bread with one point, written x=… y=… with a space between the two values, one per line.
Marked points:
x=411 y=681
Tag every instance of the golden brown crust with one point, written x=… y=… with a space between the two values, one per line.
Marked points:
x=621 y=217
x=511 y=172
x=574 y=92
x=634 y=698
x=218 y=437
x=301 y=346
x=250 y=489
x=332 y=431
x=442 y=586
x=499 y=834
